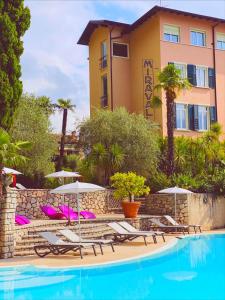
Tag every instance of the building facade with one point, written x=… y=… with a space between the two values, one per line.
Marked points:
x=124 y=60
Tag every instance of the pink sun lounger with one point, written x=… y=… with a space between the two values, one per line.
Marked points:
x=74 y=215
x=21 y=220
x=87 y=214
x=68 y=212
x=51 y=212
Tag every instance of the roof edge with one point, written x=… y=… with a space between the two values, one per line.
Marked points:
x=92 y=25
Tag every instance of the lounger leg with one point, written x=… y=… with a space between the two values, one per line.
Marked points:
x=163 y=237
x=100 y=245
x=194 y=229
x=93 y=247
x=200 y=229
x=154 y=239
x=112 y=247
x=188 y=230
x=81 y=255
x=145 y=240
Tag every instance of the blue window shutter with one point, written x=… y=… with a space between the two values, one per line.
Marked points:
x=191 y=72
x=211 y=74
x=195 y=117
x=213 y=117
x=191 y=116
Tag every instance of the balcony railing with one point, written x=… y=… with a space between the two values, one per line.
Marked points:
x=103 y=62
x=104 y=101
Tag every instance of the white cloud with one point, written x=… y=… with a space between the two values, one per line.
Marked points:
x=52 y=63
x=37 y=85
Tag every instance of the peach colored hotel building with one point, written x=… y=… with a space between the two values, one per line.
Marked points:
x=124 y=60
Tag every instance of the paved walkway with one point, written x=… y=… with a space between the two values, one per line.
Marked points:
x=122 y=251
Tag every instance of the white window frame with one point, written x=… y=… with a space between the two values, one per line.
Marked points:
x=206 y=77
x=102 y=43
x=183 y=64
x=175 y=26
x=217 y=39
x=186 y=116
x=208 y=117
x=198 y=31
x=128 y=50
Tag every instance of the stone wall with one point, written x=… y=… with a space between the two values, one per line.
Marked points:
x=29 y=201
x=204 y=209
x=7 y=224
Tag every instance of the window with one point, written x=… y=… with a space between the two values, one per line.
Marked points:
x=220 y=41
x=104 y=98
x=171 y=33
x=120 y=50
x=198 y=38
x=103 y=59
x=182 y=68
x=202 y=76
x=203 y=117
x=181 y=116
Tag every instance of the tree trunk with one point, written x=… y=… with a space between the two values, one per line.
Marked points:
x=170 y=133
x=62 y=143
x=1 y=185
x=1 y=180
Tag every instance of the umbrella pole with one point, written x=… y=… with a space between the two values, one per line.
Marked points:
x=78 y=211
x=175 y=208
x=68 y=223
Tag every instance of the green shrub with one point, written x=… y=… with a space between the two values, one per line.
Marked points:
x=128 y=185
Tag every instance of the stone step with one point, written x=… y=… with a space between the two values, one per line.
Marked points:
x=37 y=238
x=85 y=233
x=25 y=244
x=55 y=229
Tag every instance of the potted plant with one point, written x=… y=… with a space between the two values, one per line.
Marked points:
x=127 y=186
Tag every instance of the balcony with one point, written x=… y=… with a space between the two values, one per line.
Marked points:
x=103 y=62
x=104 y=101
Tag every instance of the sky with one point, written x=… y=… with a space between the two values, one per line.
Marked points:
x=54 y=65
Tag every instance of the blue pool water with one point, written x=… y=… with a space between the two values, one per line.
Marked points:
x=194 y=269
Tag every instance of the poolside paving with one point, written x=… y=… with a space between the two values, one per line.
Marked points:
x=122 y=251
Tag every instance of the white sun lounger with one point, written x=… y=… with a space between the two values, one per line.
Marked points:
x=121 y=234
x=57 y=246
x=174 y=222
x=73 y=237
x=132 y=229
x=158 y=224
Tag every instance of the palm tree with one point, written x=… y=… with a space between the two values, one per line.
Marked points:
x=172 y=83
x=109 y=160
x=63 y=105
x=9 y=154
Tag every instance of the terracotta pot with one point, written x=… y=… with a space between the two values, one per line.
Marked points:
x=130 y=209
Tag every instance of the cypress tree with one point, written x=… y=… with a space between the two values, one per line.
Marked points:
x=14 y=21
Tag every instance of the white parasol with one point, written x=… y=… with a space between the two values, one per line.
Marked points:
x=11 y=171
x=175 y=190
x=77 y=188
x=61 y=175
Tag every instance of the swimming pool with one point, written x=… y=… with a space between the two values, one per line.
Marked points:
x=193 y=269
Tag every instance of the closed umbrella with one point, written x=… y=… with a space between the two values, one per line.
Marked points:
x=77 y=188
x=175 y=190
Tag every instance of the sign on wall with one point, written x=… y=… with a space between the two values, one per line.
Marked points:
x=148 y=79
